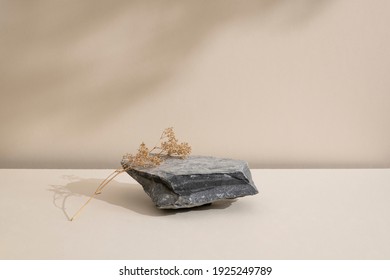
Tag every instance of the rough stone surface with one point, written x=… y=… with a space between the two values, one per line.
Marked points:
x=195 y=181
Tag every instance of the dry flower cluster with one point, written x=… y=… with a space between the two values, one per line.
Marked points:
x=142 y=159
x=168 y=146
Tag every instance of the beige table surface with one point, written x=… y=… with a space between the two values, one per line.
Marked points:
x=298 y=214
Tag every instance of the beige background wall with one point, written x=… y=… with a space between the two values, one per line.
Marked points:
x=279 y=83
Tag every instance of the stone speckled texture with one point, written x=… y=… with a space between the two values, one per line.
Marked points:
x=195 y=181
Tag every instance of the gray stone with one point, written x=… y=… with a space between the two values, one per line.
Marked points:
x=194 y=181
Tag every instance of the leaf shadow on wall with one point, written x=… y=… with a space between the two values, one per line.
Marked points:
x=84 y=62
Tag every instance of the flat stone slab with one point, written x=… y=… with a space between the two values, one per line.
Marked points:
x=194 y=181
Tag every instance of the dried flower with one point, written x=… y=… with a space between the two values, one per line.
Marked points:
x=168 y=146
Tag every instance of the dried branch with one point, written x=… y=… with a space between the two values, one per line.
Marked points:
x=168 y=146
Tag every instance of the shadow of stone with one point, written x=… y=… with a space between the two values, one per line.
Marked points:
x=128 y=196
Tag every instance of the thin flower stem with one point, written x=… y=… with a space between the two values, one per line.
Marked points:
x=82 y=207
x=99 y=189
x=157 y=146
x=108 y=180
